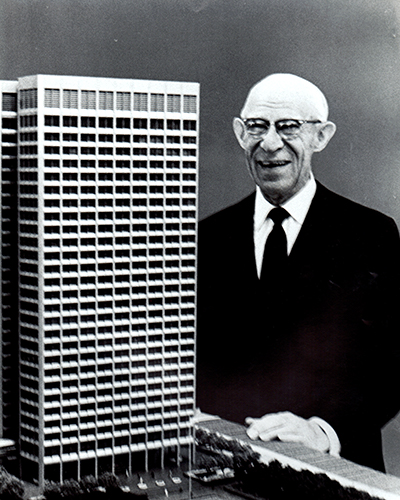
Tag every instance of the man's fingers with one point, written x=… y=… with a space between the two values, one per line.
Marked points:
x=290 y=436
x=269 y=425
x=286 y=431
x=253 y=433
x=270 y=420
x=269 y=435
x=287 y=427
x=297 y=431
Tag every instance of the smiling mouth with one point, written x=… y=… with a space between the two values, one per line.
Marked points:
x=273 y=164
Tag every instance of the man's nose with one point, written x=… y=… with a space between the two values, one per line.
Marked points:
x=271 y=141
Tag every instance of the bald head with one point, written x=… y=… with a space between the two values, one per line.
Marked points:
x=284 y=89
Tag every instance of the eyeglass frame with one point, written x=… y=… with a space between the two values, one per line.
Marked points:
x=280 y=133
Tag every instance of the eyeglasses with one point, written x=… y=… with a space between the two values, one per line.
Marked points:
x=287 y=129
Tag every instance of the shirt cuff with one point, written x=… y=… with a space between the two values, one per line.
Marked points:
x=334 y=443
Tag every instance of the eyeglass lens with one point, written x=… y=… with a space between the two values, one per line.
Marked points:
x=285 y=128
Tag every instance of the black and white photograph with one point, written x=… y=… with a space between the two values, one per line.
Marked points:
x=200 y=253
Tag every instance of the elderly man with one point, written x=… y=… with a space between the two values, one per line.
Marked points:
x=297 y=291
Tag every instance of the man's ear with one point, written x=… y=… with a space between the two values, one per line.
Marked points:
x=325 y=133
x=240 y=131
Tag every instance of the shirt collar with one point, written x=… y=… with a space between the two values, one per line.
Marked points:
x=297 y=206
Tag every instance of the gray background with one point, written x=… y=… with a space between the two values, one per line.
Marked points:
x=349 y=48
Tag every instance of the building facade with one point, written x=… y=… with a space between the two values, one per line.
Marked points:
x=9 y=262
x=107 y=177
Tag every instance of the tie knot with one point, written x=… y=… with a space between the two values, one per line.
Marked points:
x=278 y=215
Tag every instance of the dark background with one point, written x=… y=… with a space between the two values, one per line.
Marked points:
x=349 y=48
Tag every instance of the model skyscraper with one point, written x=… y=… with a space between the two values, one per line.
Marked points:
x=107 y=271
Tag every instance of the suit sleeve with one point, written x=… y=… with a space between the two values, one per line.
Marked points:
x=379 y=398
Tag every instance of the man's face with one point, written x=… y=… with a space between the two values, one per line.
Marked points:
x=278 y=165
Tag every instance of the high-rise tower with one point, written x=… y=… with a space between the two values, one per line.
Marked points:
x=8 y=262
x=107 y=263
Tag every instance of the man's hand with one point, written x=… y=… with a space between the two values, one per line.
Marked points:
x=288 y=427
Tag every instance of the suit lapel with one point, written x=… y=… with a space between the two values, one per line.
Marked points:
x=311 y=243
x=242 y=237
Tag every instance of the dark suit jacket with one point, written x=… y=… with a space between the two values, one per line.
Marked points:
x=325 y=343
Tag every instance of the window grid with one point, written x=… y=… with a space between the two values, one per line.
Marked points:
x=106 y=100
x=118 y=283
x=123 y=101
x=157 y=102
x=140 y=101
x=28 y=98
x=173 y=103
x=52 y=98
x=9 y=101
x=189 y=104
x=88 y=99
x=70 y=99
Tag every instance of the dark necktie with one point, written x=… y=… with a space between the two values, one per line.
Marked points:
x=275 y=251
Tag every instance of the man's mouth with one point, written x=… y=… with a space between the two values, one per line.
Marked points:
x=273 y=164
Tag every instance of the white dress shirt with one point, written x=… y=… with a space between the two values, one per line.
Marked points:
x=297 y=207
